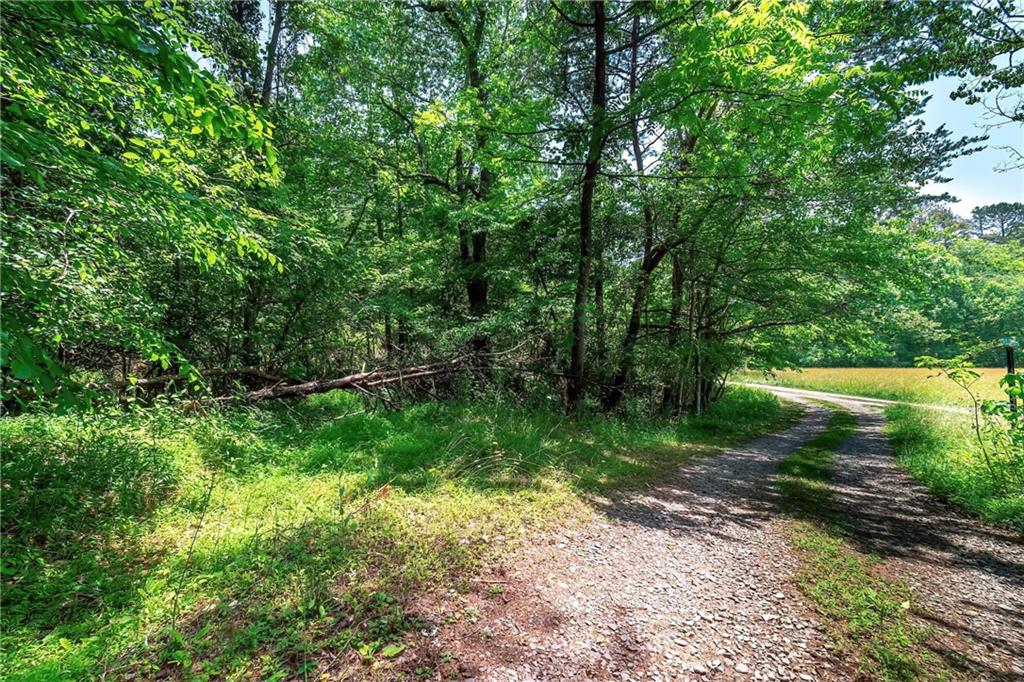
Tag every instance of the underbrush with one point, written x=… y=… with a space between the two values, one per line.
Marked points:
x=867 y=611
x=289 y=540
x=939 y=450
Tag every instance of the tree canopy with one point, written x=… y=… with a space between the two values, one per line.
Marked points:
x=616 y=203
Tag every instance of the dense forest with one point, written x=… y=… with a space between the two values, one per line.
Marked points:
x=614 y=203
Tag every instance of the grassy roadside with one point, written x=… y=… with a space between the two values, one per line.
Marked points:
x=939 y=450
x=935 y=447
x=245 y=544
x=867 y=611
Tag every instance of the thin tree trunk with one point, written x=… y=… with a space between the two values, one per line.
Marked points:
x=275 y=34
x=577 y=361
x=612 y=394
x=601 y=323
x=389 y=340
x=670 y=397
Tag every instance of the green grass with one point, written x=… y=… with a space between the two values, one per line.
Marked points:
x=910 y=384
x=244 y=543
x=867 y=611
x=805 y=475
x=940 y=450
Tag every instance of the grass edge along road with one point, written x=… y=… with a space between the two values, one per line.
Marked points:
x=939 y=450
x=935 y=446
x=867 y=613
x=246 y=542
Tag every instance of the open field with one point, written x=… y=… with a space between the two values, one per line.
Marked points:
x=913 y=384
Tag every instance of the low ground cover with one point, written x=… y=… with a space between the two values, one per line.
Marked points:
x=941 y=450
x=868 y=612
x=244 y=543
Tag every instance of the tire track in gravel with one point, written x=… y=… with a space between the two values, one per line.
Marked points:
x=970 y=576
x=690 y=579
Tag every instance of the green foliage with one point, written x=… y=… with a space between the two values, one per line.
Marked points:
x=999 y=222
x=941 y=451
x=965 y=294
x=119 y=151
x=421 y=199
x=997 y=427
x=85 y=476
x=423 y=196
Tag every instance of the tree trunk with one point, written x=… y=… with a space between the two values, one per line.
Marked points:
x=577 y=368
x=613 y=393
x=472 y=257
x=275 y=34
x=389 y=339
x=601 y=323
x=670 y=392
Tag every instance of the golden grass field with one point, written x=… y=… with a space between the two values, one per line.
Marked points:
x=912 y=384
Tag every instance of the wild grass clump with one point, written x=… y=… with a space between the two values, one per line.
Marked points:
x=245 y=543
x=940 y=450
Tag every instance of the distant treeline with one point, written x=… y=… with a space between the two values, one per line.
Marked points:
x=974 y=297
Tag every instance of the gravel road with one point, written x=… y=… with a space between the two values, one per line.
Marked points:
x=689 y=580
x=969 y=576
x=692 y=579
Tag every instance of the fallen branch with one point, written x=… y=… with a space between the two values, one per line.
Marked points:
x=359 y=381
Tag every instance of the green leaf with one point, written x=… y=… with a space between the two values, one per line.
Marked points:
x=22 y=368
x=392 y=650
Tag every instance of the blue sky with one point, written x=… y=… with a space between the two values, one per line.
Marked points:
x=975 y=180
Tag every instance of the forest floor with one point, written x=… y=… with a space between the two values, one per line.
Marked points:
x=706 y=575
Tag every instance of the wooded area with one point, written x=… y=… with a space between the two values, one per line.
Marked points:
x=405 y=340
x=638 y=198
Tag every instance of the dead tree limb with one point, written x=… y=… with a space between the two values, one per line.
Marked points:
x=359 y=381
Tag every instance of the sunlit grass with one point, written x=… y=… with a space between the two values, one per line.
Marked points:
x=912 y=384
x=940 y=449
x=244 y=543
